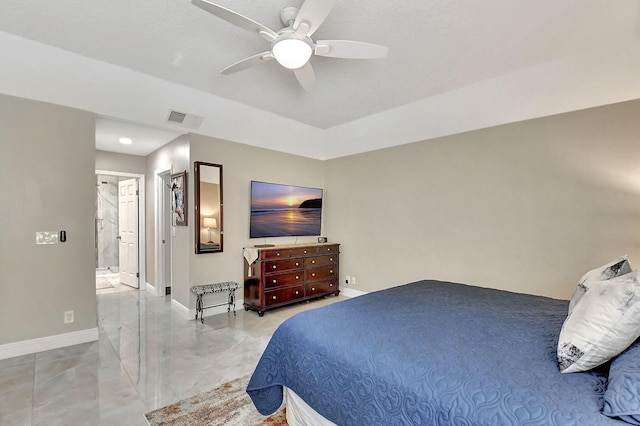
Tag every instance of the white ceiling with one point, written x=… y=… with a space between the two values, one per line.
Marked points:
x=145 y=139
x=453 y=66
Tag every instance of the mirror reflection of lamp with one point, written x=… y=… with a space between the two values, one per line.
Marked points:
x=209 y=223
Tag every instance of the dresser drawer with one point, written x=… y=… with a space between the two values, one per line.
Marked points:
x=304 y=251
x=284 y=295
x=328 y=249
x=312 y=262
x=279 y=280
x=282 y=265
x=322 y=273
x=321 y=287
x=275 y=254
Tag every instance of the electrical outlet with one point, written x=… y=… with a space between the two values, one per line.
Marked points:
x=347 y=281
x=68 y=317
x=353 y=280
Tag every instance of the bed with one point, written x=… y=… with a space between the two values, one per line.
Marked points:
x=430 y=353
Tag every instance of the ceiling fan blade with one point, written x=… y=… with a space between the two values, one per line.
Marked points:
x=314 y=12
x=235 y=18
x=248 y=62
x=306 y=77
x=349 y=49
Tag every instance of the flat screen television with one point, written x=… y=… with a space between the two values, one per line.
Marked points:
x=284 y=210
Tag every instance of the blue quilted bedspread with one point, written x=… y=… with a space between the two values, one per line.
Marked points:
x=430 y=353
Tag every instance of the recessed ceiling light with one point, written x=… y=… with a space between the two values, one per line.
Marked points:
x=126 y=141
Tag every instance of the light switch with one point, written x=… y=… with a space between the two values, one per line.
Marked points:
x=47 y=237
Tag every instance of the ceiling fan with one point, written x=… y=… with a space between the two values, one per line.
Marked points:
x=292 y=46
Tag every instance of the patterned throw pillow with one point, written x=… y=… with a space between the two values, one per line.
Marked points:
x=612 y=269
x=622 y=397
x=602 y=325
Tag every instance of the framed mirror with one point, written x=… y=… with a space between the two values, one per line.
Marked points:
x=208 y=208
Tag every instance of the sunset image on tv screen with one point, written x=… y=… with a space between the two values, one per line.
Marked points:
x=284 y=210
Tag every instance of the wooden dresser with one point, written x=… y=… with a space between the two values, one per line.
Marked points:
x=283 y=275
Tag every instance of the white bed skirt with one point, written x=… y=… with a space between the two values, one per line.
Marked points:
x=300 y=414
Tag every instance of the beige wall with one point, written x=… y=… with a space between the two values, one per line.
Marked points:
x=241 y=164
x=48 y=179
x=526 y=207
x=122 y=163
x=174 y=155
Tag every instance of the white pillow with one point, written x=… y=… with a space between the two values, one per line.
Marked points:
x=611 y=270
x=602 y=325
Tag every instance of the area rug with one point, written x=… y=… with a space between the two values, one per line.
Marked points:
x=106 y=279
x=225 y=405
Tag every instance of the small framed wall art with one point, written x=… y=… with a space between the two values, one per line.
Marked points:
x=179 y=198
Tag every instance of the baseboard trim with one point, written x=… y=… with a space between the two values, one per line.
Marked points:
x=26 y=347
x=349 y=292
x=184 y=311
x=151 y=289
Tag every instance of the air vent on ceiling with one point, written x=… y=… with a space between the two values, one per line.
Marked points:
x=191 y=121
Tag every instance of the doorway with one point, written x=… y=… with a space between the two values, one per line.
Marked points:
x=164 y=231
x=119 y=229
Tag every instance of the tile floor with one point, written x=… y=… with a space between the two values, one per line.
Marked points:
x=147 y=356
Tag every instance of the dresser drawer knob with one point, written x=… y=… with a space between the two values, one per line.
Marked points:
x=313 y=274
x=274 y=266
x=313 y=261
x=274 y=297
x=297 y=292
x=277 y=254
x=297 y=264
x=275 y=281
x=304 y=251
x=331 y=259
x=313 y=289
x=297 y=277
x=331 y=271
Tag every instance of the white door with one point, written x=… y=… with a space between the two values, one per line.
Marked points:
x=128 y=231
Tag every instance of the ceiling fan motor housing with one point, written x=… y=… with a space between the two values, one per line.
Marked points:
x=288 y=15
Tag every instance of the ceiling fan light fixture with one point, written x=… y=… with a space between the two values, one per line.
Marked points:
x=292 y=46
x=292 y=53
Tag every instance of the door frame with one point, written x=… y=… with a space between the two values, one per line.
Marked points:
x=142 y=280
x=159 y=219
